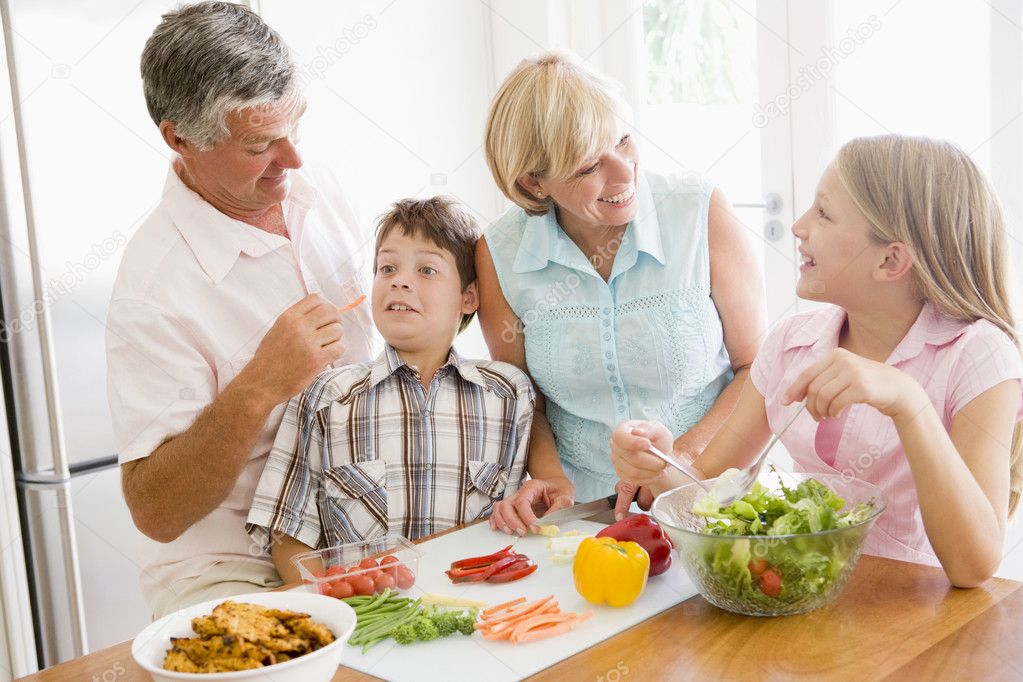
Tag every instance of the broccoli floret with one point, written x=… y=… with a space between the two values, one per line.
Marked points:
x=404 y=634
x=425 y=629
x=467 y=622
x=446 y=622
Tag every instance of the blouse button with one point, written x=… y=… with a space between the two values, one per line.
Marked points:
x=607 y=337
x=607 y=355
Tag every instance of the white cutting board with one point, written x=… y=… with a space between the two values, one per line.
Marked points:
x=473 y=658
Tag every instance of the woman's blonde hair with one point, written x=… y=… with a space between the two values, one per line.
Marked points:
x=930 y=195
x=551 y=115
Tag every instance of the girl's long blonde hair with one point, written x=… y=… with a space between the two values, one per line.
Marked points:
x=930 y=195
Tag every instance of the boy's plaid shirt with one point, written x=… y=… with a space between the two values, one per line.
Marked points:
x=366 y=451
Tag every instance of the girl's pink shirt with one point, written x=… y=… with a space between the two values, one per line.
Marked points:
x=955 y=361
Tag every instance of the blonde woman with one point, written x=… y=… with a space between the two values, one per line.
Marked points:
x=624 y=293
x=911 y=378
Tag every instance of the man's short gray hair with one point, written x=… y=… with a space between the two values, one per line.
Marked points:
x=208 y=59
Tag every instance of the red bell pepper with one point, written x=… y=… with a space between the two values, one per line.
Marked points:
x=475 y=575
x=520 y=569
x=502 y=566
x=477 y=561
x=645 y=532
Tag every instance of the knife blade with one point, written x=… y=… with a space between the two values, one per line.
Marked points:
x=579 y=511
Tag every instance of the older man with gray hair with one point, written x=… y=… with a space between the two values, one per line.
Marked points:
x=229 y=299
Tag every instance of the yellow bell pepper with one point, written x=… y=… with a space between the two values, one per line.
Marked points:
x=606 y=570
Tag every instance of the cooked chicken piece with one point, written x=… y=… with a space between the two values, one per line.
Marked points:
x=240 y=636
x=318 y=634
x=216 y=654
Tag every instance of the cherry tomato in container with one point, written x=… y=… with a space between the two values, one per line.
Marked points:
x=368 y=563
x=383 y=581
x=405 y=578
x=341 y=589
x=385 y=564
x=362 y=584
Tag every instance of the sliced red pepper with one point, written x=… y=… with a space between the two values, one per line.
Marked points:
x=477 y=561
x=520 y=569
x=485 y=574
x=465 y=572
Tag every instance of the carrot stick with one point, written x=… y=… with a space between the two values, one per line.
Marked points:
x=524 y=609
x=541 y=627
x=354 y=304
x=487 y=613
x=510 y=623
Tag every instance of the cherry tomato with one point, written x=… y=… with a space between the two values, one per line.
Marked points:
x=336 y=570
x=770 y=582
x=405 y=578
x=368 y=563
x=342 y=589
x=758 y=566
x=362 y=584
x=324 y=588
x=385 y=564
x=383 y=581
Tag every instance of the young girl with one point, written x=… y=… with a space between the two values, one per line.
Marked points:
x=911 y=377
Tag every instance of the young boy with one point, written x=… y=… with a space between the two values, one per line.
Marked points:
x=420 y=439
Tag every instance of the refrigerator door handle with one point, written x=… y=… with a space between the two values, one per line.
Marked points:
x=57 y=443
x=40 y=482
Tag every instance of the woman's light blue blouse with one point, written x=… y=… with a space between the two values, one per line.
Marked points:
x=646 y=344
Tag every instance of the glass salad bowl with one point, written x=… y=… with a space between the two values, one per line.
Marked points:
x=789 y=546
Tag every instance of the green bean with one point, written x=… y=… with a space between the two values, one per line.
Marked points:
x=386 y=625
x=374 y=627
x=371 y=605
x=387 y=608
x=382 y=627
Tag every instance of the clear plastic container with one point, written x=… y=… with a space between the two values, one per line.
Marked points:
x=329 y=570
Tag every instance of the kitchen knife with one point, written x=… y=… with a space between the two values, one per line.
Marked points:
x=579 y=511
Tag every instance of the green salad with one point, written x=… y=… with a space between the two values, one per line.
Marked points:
x=760 y=567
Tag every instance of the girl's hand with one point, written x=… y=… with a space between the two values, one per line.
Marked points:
x=843 y=379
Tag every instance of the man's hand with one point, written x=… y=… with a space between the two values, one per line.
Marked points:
x=536 y=497
x=302 y=342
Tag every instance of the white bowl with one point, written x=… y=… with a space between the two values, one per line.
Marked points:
x=150 y=646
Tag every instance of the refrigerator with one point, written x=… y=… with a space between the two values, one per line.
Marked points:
x=80 y=168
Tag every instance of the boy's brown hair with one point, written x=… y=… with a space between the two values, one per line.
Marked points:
x=443 y=222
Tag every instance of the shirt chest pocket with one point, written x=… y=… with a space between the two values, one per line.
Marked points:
x=353 y=502
x=231 y=368
x=487 y=483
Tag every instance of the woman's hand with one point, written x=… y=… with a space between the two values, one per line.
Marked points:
x=637 y=469
x=843 y=379
x=535 y=498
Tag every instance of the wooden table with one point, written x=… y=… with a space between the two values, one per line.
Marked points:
x=894 y=620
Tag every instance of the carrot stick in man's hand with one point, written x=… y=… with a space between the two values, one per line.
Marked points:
x=353 y=305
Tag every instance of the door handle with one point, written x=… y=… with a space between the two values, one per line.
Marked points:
x=772 y=204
